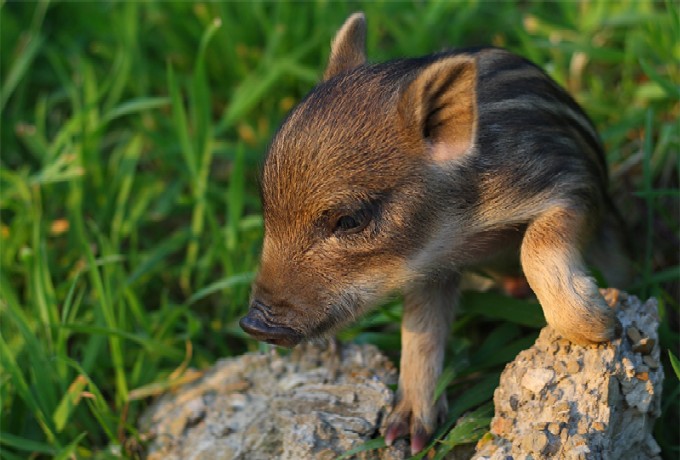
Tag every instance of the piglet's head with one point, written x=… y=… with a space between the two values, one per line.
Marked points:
x=346 y=192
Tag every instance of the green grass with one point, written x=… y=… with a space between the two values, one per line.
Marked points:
x=131 y=139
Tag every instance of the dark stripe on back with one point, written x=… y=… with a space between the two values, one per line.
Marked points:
x=497 y=84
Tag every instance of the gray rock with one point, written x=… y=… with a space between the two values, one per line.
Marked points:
x=572 y=401
x=315 y=403
x=556 y=400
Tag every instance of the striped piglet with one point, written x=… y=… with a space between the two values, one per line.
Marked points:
x=397 y=177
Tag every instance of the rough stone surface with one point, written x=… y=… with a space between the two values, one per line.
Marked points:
x=315 y=403
x=558 y=400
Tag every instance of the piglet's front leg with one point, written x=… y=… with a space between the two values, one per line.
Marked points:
x=428 y=311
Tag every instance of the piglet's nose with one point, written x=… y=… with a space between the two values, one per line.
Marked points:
x=255 y=324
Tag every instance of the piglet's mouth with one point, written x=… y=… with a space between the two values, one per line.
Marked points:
x=253 y=324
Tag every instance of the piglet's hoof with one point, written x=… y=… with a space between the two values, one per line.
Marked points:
x=404 y=422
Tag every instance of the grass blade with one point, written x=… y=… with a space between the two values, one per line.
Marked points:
x=19 y=69
x=498 y=306
x=675 y=363
x=25 y=444
x=68 y=403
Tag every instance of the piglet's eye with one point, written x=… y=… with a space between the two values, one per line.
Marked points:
x=348 y=224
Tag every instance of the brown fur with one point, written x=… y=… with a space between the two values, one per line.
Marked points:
x=398 y=176
x=443 y=106
x=348 y=46
x=555 y=270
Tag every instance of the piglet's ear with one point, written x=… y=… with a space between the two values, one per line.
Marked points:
x=440 y=104
x=348 y=49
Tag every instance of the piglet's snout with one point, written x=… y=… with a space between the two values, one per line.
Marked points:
x=256 y=325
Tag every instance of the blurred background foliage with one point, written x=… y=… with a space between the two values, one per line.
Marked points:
x=131 y=140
